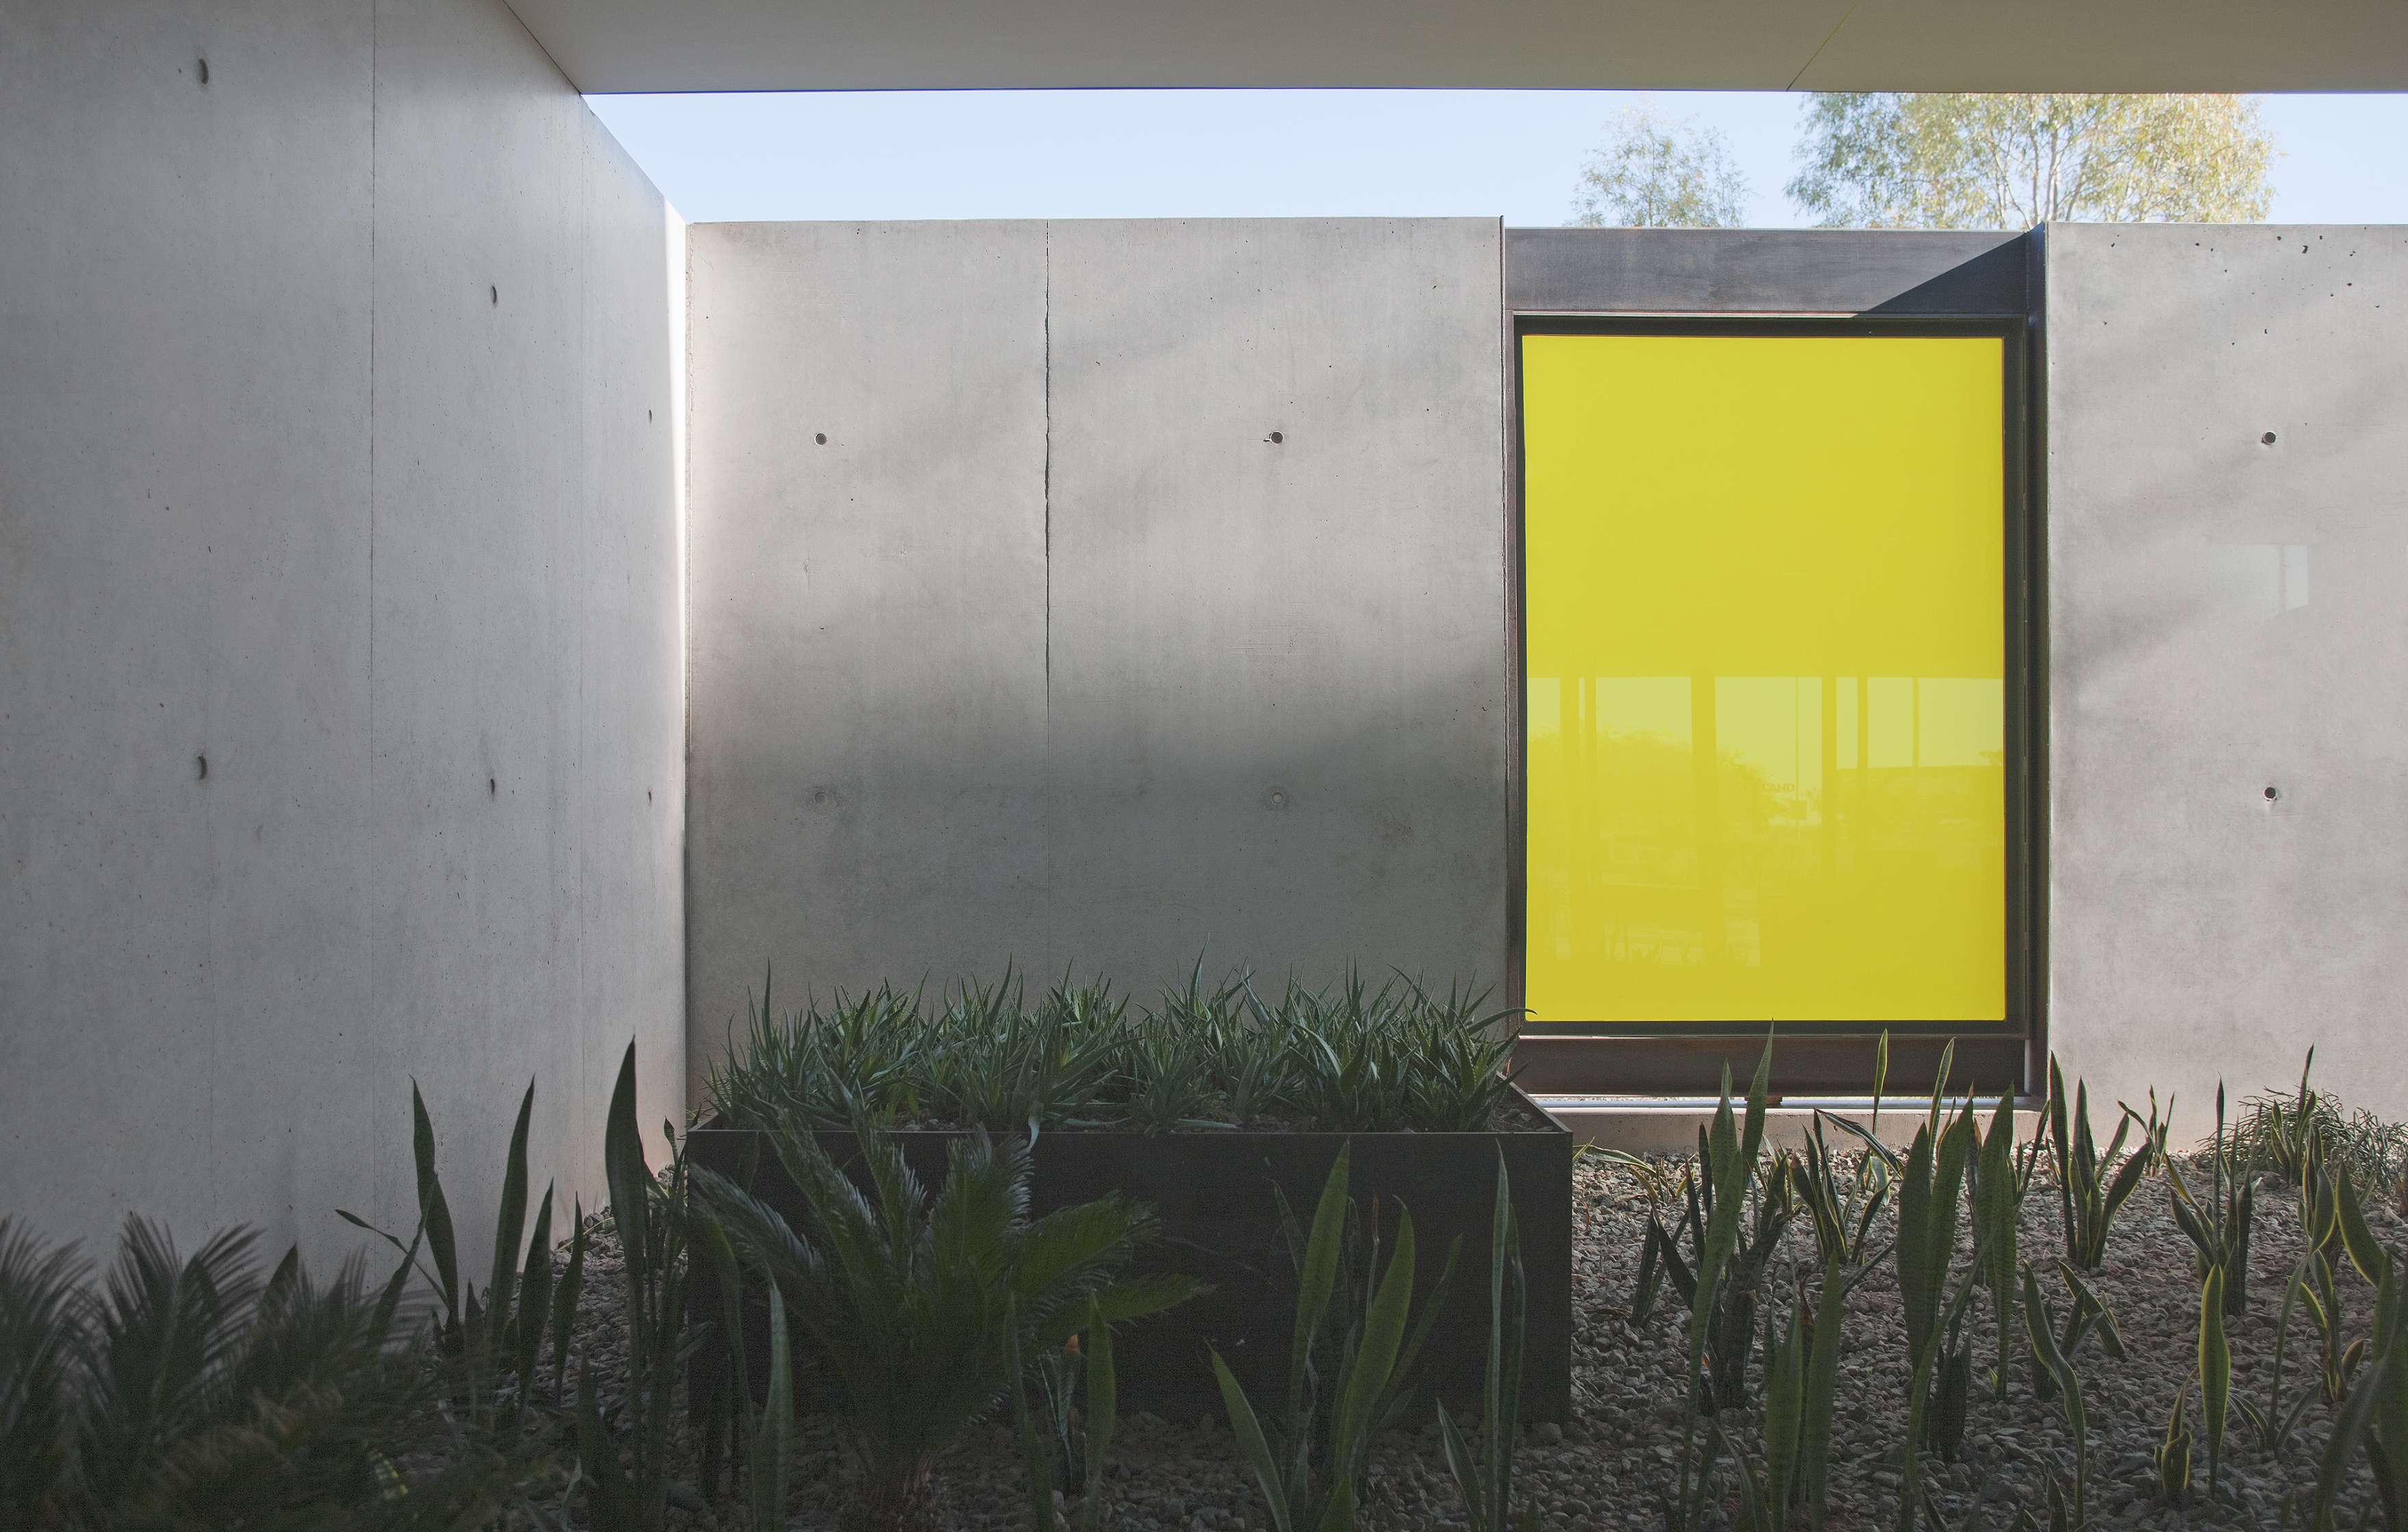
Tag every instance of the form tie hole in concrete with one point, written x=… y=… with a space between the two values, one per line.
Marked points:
x=2271 y=794
x=1276 y=798
x=1277 y=437
x=202 y=762
x=2268 y=439
x=821 y=437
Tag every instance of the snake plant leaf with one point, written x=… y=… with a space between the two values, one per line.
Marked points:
x=2214 y=1373
x=510 y=1227
x=1253 y=1444
x=433 y=1212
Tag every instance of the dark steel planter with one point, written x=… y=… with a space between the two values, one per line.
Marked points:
x=1213 y=1193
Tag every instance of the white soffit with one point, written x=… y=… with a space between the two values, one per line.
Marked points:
x=1829 y=45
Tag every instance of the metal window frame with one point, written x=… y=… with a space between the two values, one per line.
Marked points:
x=1806 y=283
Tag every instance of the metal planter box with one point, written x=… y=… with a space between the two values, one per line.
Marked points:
x=1213 y=1193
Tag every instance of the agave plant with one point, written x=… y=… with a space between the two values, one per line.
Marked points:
x=914 y=1304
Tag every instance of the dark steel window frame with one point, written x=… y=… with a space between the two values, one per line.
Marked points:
x=1812 y=1058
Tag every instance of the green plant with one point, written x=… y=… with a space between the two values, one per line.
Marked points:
x=1343 y=1370
x=1842 y=1207
x=2273 y=1425
x=1998 y=1186
x=185 y=1391
x=1396 y=1057
x=1485 y=1479
x=2086 y=1315
x=2039 y=1325
x=913 y=1305
x=2091 y=1187
x=2374 y=1415
x=630 y=1490
x=2214 y=1373
x=2218 y=1228
x=2280 y=1133
x=1077 y=1454
x=493 y=1338
x=2172 y=1455
x=1729 y=1161
x=1928 y=1190
x=1347 y=1059
x=41 y=1312
x=764 y=1437
x=1731 y=1326
x=1800 y=1385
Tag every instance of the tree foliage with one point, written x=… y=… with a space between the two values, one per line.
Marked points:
x=1924 y=160
x=1656 y=173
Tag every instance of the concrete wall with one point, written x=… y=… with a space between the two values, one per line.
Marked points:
x=2227 y=541
x=1051 y=652
x=337 y=450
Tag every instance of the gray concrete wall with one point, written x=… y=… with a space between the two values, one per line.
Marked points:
x=338 y=450
x=1050 y=651
x=2228 y=540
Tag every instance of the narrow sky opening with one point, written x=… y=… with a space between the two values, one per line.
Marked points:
x=1514 y=155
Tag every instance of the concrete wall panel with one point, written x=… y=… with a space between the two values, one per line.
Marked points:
x=1278 y=685
x=283 y=486
x=867 y=673
x=1049 y=652
x=2227 y=539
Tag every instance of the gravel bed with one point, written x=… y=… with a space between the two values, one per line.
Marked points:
x=1608 y=1466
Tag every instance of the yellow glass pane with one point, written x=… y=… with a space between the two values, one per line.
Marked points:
x=1767 y=705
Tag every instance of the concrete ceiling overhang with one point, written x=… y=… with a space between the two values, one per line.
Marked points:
x=1813 y=45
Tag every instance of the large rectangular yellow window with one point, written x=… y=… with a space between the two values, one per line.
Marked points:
x=1766 y=656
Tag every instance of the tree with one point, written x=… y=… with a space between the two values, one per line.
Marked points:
x=1924 y=159
x=1652 y=173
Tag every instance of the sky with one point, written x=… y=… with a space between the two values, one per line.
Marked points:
x=2343 y=159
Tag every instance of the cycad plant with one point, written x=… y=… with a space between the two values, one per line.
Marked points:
x=914 y=1304
x=41 y=1335
x=184 y=1391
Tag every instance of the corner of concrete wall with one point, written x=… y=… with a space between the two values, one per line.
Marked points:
x=342 y=457
x=2227 y=447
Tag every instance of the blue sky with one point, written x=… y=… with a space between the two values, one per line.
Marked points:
x=1275 y=154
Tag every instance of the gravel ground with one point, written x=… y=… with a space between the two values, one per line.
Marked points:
x=1608 y=1465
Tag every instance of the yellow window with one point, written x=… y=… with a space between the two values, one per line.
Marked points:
x=1766 y=652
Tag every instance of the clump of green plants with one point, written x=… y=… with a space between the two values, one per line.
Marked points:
x=1350 y=1359
x=2092 y=1187
x=2276 y=1128
x=919 y=1308
x=1350 y=1058
x=188 y=1390
x=1484 y=1477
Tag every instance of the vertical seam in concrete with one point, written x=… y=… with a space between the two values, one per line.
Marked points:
x=368 y=927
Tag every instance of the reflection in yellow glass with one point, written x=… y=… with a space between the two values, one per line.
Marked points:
x=1765 y=646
